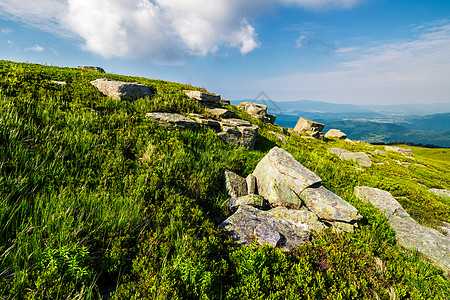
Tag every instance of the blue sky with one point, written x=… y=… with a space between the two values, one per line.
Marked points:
x=341 y=51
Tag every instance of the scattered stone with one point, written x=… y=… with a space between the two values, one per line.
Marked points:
x=60 y=83
x=309 y=127
x=258 y=111
x=251 y=184
x=235 y=185
x=280 y=136
x=440 y=192
x=410 y=234
x=335 y=134
x=281 y=166
x=205 y=99
x=221 y=113
x=121 y=90
x=379 y=152
x=404 y=151
x=91 y=68
x=173 y=120
x=404 y=163
x=243 y=224
x=279 y=194
x=329 y=206
x=360 y=157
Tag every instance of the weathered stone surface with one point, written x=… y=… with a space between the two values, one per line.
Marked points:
x=440 y=192
x=280 y=136
x=243 y=224
x=360 y=157
x=221 y=113
x=281 y=166
x=309 y=127
x=121 y=90
x=258 y=111
x=253 y=200
x=404 y=151
x=91 y=68
x=302 y=217
x=172 y=120
x=335 y=134
x=343 y=226
x=329 y=206
x=251 y=184
x=279 y=194
x=235 y=185
x=205 y=99
x=410 y=234
x=201 y=120
x=238 y=132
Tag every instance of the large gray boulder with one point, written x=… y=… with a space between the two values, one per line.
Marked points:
x=249 y=223
x=410 y=234
x=121 y=90
x=335 y=134
x=360 y=157
x=172 y=120
x=91 y=68
x=279 y=165
x=238 y=132
x=329 y=206
x=301 y=217
x=312 y=128
x=258 y=111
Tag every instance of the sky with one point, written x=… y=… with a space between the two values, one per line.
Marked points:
x=371 y=52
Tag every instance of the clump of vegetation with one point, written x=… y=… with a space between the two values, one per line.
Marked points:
x=96 y=201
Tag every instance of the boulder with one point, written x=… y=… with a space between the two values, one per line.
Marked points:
x=221 y=113
x=279 y=194
x=238 y=132
x=329 y=206
x=258 y=111
x=404 y=151
x=91 y=68
x=281 y=166
x=303 y=217
x=410 y=234
x=205 y=99
x=173 y=120
x=203 y=121
x=335 y=134
x=251 y=184
x=235 y=185
x=249 y=223
x=282 y=138
x=440 y=192
x=360 y=157
x=312 y=128
x=121 y=90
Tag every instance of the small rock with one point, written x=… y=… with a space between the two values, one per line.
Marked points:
x=60 y=83
x=360 y=157
x=251 y=184
x=235 y=185
x=335 y=134
x=280 y=136
x=440 y=192
x=379 y=152
x=121 y=90
x=258 y=111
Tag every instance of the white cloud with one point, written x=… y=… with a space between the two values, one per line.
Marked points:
x=35 y=48
x=299 y=41
x=6 y=30
x=402 y=71
x=161 y=29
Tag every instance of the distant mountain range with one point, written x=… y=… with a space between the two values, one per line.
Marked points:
x=412 y=123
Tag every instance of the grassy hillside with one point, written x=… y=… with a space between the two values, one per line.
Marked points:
x=97 y=201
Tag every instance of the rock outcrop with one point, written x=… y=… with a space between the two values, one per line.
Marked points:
x=238 y=132
x=173 y=120
x=91 y=68
x=312 y=128
x=410 y=234
x=297 y=204
x=258 y=111
x=121 y=90
x=335 y=134
x=360 y=157
x=404 y=151
x=205 y=99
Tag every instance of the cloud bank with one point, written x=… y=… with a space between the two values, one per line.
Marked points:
x=166 y=30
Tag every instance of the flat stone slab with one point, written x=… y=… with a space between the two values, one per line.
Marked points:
x=279 y=165
x=205 y=99
x=248 y=224
x=122 y=90
x=440 y=192
x=360 y=157
x=172 y=120
x=221 y=113
x=432 y=244
x=329 y=206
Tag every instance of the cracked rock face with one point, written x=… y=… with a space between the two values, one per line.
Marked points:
x=409 y=233
x=281 y=166
x=121 y=90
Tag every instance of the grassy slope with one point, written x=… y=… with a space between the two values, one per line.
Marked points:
x=96 y=199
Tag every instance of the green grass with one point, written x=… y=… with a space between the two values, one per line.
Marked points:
x=97 y=200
